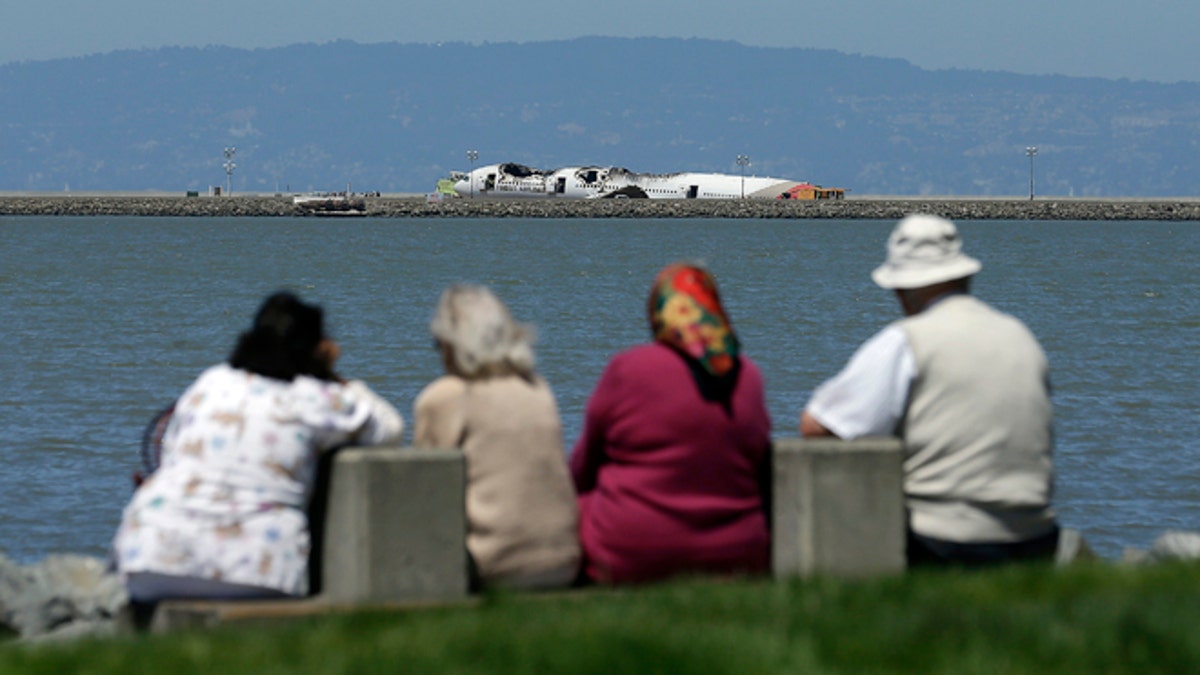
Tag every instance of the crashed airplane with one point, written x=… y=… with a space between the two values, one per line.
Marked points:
x=595 y=182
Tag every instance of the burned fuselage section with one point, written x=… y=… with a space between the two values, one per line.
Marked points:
x=598 y=182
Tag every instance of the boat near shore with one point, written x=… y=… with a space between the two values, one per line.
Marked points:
x=330 y=204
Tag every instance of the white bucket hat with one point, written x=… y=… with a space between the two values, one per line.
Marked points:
x=924 y=250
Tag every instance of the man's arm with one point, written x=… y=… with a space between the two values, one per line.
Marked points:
x=867 y=397
x=810 y=427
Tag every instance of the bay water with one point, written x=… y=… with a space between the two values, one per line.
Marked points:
x=107 y=319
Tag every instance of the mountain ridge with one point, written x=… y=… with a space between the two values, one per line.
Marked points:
x=396 y=117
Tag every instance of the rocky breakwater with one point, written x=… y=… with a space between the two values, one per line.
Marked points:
x=418 y=207
x=129 y=205
x=62 y=596
x=851 y=209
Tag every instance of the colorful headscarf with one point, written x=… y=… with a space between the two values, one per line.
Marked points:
x=685 y=313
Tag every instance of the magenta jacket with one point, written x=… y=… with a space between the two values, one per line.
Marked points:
x=668 y=482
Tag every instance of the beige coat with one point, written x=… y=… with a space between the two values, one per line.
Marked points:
x=520 y=501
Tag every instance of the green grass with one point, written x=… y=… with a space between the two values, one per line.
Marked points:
x=1089 y=619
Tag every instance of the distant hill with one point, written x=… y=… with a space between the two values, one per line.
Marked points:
x=396 y=117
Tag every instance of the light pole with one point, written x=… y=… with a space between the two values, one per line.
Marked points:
x=743 y=161
x=229 y=167
x=1031 y=152
x=472 y=155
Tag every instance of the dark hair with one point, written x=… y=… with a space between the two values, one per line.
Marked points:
x=283 y=341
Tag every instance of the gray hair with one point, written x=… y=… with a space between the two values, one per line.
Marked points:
x=485 y=340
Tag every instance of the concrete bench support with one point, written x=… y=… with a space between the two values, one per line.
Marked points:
x=395 y=527
x=838 y=507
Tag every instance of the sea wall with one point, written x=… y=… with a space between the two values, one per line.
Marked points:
x=417 y=207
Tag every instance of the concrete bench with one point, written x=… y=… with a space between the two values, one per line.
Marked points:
x=839 y=510
x=395 y=527
x=393 y=530
x=396 y=523
x=838 y=507
x=392 y=533
x=176 y=615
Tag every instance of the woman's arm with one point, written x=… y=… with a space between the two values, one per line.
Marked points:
x=590 y=451
x=438 y=417
x=384 y=424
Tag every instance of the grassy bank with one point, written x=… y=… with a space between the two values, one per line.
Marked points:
x=1090 y=619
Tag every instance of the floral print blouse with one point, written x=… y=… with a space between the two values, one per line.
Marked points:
x=238 y=462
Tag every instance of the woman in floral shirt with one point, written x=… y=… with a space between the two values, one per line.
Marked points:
x=225 y=514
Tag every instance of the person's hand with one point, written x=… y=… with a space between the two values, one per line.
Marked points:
x=328 y=353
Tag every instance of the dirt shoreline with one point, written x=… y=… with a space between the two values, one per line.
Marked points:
x=882 y=208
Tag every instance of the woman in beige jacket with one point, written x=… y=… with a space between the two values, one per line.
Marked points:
x=521 y=511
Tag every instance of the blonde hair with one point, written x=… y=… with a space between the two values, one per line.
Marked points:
x=484 y=339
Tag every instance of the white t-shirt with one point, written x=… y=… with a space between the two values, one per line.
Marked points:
x=868 y=397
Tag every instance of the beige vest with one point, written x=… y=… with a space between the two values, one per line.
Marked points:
x=977 y=428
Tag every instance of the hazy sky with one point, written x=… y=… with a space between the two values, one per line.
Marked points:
x=1146 y=39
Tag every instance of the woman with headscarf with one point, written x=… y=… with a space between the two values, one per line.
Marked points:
x=225 y=515
x=672 y=466
x=521 y=517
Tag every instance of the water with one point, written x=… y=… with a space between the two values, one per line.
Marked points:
x=107 y=319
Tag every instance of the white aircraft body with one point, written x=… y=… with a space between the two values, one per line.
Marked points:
x=595 y=182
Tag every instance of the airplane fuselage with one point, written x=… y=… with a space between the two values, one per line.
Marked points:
x=592 y=182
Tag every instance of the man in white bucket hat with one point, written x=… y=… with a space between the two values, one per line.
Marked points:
x=967 y=389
